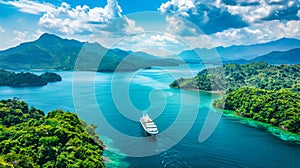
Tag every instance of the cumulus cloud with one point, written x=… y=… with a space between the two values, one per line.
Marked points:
x=179 y=26
x=257 y=33
x=288 y=12
x=178 y=6
x=219 y=15
x=86 y=20
x=81 y=19
x=262 y=10
x=210 y=18
x=131 y=28
x=235 y=22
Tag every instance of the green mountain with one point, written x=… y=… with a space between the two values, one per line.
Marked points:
x=52 y=52
x=280 y=57
x=276 y=57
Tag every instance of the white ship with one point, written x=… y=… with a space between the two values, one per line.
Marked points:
x=148 y=125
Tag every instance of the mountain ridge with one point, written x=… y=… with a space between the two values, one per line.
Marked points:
x=237 y=52
x=52 y=52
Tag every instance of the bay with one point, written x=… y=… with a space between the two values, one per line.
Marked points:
x=99 y=98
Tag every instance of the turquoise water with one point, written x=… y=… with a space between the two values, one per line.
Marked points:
x=180 y=116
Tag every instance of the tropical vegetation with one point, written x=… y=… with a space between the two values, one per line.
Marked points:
x=230 y=77
x=280 y=108
x=29 y=138
x=262 y=92
x=27 y=79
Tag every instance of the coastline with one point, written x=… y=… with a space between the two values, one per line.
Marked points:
x=274 y=130
x=277 y=131
x=198 y=90
x=111 y=156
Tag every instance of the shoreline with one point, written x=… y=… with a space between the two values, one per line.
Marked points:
x=277 y=131
x=274 y=130
x=198 y=90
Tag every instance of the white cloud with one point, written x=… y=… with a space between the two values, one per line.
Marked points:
x=80 y=19
x=165 y=38
x=257 y=33
x=175 y=24
x=251 y=13
x=179 y=26
x=200 y=41
x=131 y=28
x=262 y=9
x=29 y=6
x=2 y=30
x=37 y=33
x=152 y=43
x=86 y=20
x=20 y=36
x=177 y=6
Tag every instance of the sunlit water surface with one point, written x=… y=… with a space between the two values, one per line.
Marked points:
x=232 y=144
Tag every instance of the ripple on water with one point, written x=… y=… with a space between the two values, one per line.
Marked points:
x=172 y=159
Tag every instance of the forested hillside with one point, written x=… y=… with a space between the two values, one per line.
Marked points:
x=280 y=108
x=259 y=91
x=29 y=138
x=53 y=52
x=26 y=79
x=230 y=77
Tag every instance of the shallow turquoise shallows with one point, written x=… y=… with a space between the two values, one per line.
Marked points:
x=100 y=98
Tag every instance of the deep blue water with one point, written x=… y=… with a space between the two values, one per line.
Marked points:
x=100 y=98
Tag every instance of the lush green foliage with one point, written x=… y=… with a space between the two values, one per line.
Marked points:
x=50 y=77
x=63 y=54
x=234 y=76
x=25 y=79
x=259 y=91
x=281 y=108
x=13 y=112
x=59 y=139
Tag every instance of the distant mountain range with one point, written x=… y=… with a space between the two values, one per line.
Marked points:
x=53 y=52
x=242 y=53
x=280 y=57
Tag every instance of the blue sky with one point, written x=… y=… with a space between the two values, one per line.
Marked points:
x=156 y=26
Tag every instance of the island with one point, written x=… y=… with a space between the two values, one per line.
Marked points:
x=230 y=77
x=29 y=138
x=262 y=92
x=26 y=79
